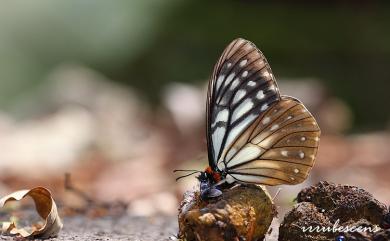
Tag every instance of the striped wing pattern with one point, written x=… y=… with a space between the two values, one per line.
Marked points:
x=278 y=148
x=255 y=135
x=241 y=89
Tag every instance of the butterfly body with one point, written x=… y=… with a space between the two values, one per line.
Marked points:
x=208 y=181
x=254 y=134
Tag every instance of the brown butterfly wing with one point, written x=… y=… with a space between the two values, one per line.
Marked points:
x=278 y=148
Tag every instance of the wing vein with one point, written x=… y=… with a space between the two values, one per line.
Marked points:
x=268 y=159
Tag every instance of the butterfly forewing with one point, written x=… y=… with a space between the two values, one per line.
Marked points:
x=280 y=146
x=242 y=88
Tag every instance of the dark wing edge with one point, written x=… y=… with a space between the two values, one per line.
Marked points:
x=210 y=90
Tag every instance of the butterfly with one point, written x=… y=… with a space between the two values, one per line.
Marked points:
x=254 y=134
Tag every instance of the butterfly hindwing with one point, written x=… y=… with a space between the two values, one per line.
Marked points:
x=241 y=89
x=278 y=148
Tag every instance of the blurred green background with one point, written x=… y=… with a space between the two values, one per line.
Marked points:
x=148 y=44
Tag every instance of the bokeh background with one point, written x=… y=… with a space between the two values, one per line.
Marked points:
x=113 y=92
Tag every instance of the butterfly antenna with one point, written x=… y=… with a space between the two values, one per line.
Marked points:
x=189 y=174
x=184 y=170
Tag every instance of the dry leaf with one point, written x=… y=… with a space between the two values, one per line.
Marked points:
x=45 y=207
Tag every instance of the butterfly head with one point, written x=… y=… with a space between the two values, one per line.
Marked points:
x=207 y=181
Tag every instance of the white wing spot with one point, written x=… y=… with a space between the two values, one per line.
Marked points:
x=243 y=63
x=229 y=78
x=264 y=107
x=245 y=74
x=272 y=88
x=289 y=117
x=266 y=120
x=296 y=170
x=238 y=96
x=292 y=179
x=274 y=127
x=217 y=137
x=260 y=95
x=229 y=65
x=251 y=83
x=303 y=138
x=301 y=154
x=234 y=84
x=223 y=115
x=316 y=139
x=219 y=81
x=284 y=153
x=243 y=108
x=266 y=74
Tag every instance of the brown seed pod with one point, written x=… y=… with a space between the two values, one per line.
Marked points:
x=244 y=212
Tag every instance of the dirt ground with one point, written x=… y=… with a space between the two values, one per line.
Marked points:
x=108 y=228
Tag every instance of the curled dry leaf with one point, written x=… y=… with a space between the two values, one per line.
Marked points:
x=45 y=207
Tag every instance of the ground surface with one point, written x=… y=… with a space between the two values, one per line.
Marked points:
x=108 y=228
